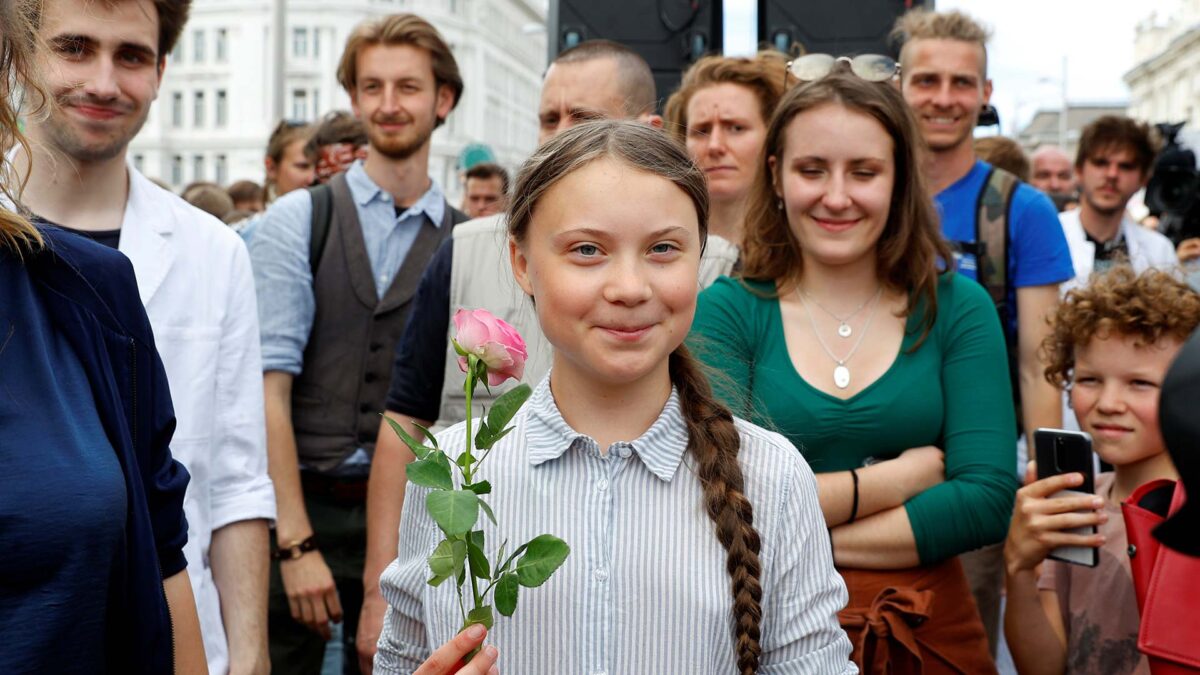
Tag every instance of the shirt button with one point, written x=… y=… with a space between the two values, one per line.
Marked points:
x=601 y=573
x=602 y=484
x=624 y=452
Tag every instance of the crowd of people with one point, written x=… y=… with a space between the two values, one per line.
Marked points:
x=787 y=342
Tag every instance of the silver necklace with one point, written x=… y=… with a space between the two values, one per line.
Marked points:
x=841 y=374
x=843 y=329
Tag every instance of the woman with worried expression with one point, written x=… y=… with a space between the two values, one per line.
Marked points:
x=696 y=539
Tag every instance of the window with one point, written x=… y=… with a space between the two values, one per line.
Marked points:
x=177 y=52
x=222 y=45
x=197 y=167
x=139 y=162
x=177 y=109
x=198 y=109
x=222 y=108
x=221 y=169
x=198 y=46
x=176 y=169
x=300 y=42
x=299 y=105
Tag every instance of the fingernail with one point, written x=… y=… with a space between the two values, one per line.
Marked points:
x=1097 y=502
x=491 y=652
x=476 y=631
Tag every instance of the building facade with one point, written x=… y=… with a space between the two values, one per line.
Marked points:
x=214 y=110
x=1043 y=128
x=1164 y=83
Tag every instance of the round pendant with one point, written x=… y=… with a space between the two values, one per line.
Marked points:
x=844 y=330
x=841 y=377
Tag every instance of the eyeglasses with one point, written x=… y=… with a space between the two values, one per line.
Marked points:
x=870 y=67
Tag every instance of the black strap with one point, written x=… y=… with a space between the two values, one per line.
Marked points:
x=322 y=214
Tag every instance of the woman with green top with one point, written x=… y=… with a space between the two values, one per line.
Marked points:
x=848 y=335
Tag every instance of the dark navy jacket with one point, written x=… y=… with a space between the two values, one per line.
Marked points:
x=90 y=295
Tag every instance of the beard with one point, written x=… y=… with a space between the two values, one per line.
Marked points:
x=402 y=145
x=68 y=136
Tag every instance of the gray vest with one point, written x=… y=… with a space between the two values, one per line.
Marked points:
x=338 y=397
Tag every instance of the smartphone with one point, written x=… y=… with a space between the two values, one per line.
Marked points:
x=1059 y=451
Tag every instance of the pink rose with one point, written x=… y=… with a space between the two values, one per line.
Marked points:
x=496 y=343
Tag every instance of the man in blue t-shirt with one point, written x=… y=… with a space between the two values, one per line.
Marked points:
x=944 y=80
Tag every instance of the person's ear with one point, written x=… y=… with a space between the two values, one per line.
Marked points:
x=651 y=120
x=272 y=170
x=773 y=163
x=987 y=92
x=445 y=102
x=520 y=266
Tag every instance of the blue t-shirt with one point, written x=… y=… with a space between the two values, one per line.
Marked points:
x=62 y=496
x=1037 y=249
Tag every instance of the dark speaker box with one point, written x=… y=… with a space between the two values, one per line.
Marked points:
x=669 y=34
x=838 y=28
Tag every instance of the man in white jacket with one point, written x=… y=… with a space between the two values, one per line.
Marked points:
x=104 y=65
x=1113 y=162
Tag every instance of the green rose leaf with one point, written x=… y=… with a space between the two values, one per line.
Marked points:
x=481 y=488
x=436 y=580
x=447 y=559
x=481 y=615
x=421 y=451
x=543 y=555
x=487 y=511
x=506 y=406
x=506 y=594
x=455 y=511
x=508 y=561
x=465 y=460
x=479 y=562
x=431 y=474
x=428 y=434
x=482 y=435
x=487 y=442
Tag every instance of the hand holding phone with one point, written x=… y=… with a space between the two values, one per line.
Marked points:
x=1067 y=453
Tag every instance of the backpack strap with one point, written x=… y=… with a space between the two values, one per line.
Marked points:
x=322 y=214
x=991 y=231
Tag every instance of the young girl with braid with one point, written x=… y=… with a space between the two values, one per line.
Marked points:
x=697 y=544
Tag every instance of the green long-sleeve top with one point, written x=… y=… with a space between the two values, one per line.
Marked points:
x=952 y=392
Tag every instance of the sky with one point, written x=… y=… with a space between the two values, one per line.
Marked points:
x=1029 y=40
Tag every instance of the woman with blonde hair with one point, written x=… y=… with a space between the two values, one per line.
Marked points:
x=850 y=337
x=93 y=575
x=720 y=112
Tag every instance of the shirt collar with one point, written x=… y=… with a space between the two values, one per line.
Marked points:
x=661 y=447
x=432 y=203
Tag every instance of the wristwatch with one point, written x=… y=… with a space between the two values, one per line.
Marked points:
x=295 y=550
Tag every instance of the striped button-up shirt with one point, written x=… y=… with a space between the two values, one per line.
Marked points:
x=644 y=589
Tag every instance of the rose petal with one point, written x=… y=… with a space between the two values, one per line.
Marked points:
x=471 y=332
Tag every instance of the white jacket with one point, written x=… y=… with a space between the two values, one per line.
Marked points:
x=194 y=278
x=1147 y=249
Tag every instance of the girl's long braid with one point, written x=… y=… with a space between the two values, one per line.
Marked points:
x=714 y=441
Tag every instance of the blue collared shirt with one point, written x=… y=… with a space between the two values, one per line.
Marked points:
x=283 y=278
x=645 y=588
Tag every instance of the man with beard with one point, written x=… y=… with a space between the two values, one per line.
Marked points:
x=1114 y=161
x=335 y=283
x=103 y=66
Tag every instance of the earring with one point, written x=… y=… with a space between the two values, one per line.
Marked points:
x=779 y=204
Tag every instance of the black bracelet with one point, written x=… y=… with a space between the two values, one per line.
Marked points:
x=854 y=504
x=295 y=550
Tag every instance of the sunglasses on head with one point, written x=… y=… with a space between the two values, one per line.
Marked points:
x=870 y=67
